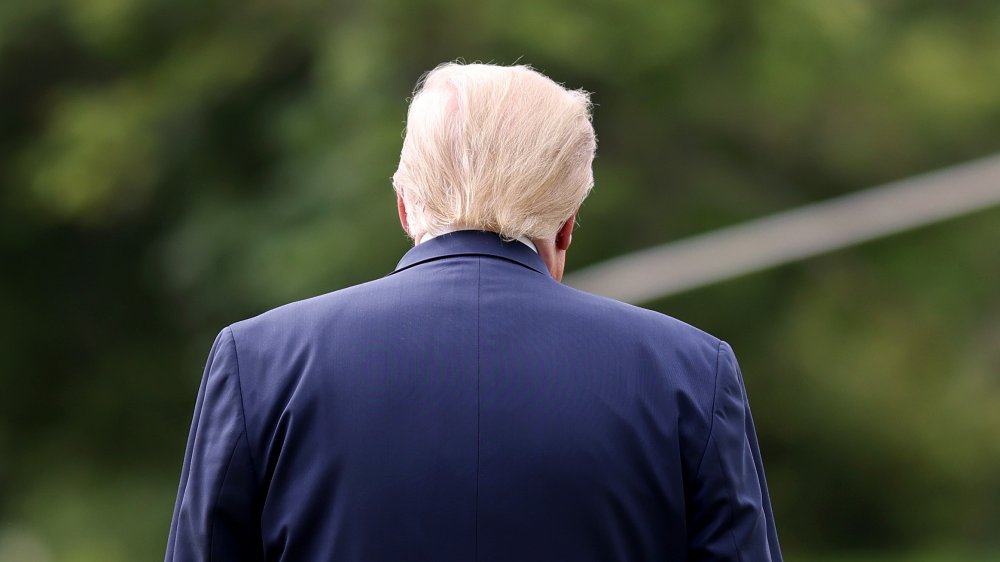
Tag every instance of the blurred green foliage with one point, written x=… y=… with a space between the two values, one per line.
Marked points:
x=171 y=167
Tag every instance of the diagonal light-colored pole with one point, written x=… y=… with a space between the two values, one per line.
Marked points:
x=792 y=235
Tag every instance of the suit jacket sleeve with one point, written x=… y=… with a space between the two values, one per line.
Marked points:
x=216 y=515
x=730 y=513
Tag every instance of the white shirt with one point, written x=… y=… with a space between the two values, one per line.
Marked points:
x=522 y=239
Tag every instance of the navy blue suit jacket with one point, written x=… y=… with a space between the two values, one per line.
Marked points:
x=469 y=408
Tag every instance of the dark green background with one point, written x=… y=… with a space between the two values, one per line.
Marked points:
x=170 y=167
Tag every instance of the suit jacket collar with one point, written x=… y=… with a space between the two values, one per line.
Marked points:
x=472 y=243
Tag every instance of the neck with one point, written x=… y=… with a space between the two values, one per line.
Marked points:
x=554 y=258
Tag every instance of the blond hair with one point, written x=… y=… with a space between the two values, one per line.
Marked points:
x=502 y=149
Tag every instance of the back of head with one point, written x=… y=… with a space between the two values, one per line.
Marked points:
x=502 y=149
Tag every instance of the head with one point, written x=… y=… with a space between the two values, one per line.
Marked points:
x=501 y=149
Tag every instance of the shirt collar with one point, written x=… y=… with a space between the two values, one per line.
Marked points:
x=522 y=239
x=469 y=243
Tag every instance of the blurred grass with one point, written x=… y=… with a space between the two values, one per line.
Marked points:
x=932 y=555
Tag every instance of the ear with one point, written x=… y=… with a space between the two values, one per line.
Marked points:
x=401 y=207
x=564 y=237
